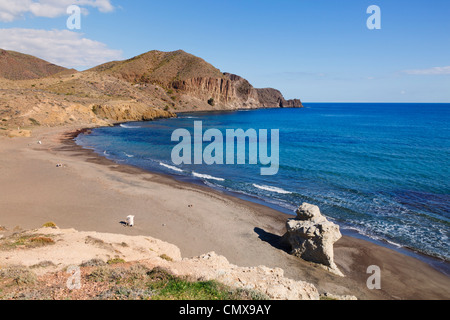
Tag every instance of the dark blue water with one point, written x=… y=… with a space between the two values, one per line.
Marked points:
x=382 y=169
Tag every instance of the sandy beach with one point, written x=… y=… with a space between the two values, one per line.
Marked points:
x=91 y=193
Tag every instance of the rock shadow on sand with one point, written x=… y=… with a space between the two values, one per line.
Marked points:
x=274 y=240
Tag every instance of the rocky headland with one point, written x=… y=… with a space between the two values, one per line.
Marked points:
x=35 y=93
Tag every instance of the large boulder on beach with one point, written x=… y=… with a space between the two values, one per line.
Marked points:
x=311 y=237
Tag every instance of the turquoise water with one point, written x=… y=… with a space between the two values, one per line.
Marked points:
x=380 y=169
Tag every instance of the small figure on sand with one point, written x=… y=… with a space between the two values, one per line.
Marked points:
x=130 y=221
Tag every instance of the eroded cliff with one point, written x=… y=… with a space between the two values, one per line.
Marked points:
x=150 y=86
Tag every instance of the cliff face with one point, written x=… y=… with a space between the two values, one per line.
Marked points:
x=205 y=88
x=272 y=98
x=191 y=80
x=129 y=112
x=233 y=91
x=153 y=85
x=265 y=98
x=227 y=92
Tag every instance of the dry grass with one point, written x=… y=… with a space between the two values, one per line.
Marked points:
x=116 y=261
x=166 y=257
x=49 y=225
x=25 y=241
x=18 y=66
x=160 y=68
x=114 y=282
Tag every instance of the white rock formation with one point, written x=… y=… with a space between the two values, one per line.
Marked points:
x=72 y=248
x=270 y=281
x=311 y=237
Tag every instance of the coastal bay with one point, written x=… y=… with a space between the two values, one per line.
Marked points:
x=91 y=193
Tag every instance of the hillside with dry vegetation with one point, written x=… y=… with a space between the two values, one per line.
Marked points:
x=156 y=84
x=19 y=66
x=162 y=68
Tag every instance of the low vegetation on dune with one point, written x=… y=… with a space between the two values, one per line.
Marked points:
x=25 y=241
x=118 y=281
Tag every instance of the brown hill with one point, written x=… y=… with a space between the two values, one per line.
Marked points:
x=162 y=68
x=188 y=75
x=153 y=85
x=19 y=66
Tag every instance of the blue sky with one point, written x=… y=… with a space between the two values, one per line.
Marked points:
x=316 y=50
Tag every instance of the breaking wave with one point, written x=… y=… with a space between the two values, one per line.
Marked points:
x=272 y=189
x=206 y=176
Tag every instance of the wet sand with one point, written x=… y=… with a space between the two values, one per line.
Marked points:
x=91 y=193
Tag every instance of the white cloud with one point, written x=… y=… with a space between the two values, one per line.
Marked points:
x=11 y=10
x=430 y=71
x=62 y=47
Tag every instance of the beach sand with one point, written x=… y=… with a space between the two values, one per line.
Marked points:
x=91 y=193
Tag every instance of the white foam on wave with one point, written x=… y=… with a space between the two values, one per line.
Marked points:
x=276 y=202
x=272 y=189
x=129 y=155
x=128 y=127
x=170 y=167
x=394 y=243
x=206 y=176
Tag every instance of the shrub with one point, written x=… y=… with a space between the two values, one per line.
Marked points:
x=43 y=264
x=115 y=261
x=107 y=274
x=34 y=122
x=166 y=257
x=25 y=241
x=211 y=102
x=93 y=263
x=95 y=109
x=49 y=225
x=41 y=240
x=19 y=275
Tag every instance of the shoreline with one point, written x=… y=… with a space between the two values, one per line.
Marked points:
x=244 y=232
x=437 y=263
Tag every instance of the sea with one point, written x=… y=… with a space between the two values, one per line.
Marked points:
x=380 y=170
